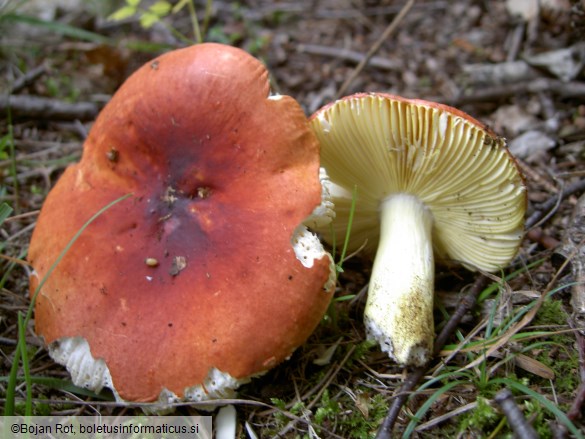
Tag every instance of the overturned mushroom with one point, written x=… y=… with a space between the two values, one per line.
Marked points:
x=206 y=276
x=430 y=181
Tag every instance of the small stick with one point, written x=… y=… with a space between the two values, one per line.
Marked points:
x=515 y=42
x=580 y=339
x=22 y=216
x=28 y=78
x=389 y=30
x=46 y=108
x=466 y=304
x=348 y=55
x=574 y=89
x=539 y=236
x=537 y=175
x=521 y=427
x=574 y=413
x=544 y=208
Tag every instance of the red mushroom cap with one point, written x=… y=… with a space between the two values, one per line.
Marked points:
x=196 y=271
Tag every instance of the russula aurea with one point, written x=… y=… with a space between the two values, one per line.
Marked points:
x=206 y=275
x=430 y=181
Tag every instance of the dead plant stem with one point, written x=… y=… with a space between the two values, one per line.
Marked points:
x=375 y=47
x=544 y=208
x=522 y=429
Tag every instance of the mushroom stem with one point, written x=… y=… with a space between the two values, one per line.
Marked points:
x=399 y=309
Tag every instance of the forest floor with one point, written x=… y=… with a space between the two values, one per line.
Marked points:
x=517 y=66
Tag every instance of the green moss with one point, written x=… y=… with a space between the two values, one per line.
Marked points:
x=42 y=408
x=551 y=312
x=361 y=351
x=328 y=410
x=363 y=424
x=538 y=418
x=483 y=418
x=558 y=353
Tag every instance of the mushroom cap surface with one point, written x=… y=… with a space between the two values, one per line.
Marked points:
x=383 y=145
x=196 y=271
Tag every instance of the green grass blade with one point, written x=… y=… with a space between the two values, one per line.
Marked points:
x=444 y=376
x=61 y=384
x=5 y=211
x=491 y=317
x=426 y=406
x=81 y=34
x=25 y=365
x=195 y=23
x=11 y=387
x=495 y=286
x=8 y=143
x=348 y=229
x=58 y=28
x=525 y=309
x=10 y=267
x=207 y=17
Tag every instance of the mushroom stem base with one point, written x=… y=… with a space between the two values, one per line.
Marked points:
x=399 y=309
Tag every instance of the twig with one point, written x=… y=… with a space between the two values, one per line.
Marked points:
x=544 y=208
x=348 y=55
x=580 y=347
x=515 y=42
x=22 y=216
x=28 y=78
x=15 y=260
x=387 y=32
x=537 y=175
x=516 y=419
x=574 y=243
x=466 y=304
x=442 y=418
x=385 y=431
x=553 y=209
x=45 y=108
x=296 y=8
x=482 y=75
x=574 y=413
x=7 y=341
x=572 y=89
x=417 y=373
x=538 y=235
